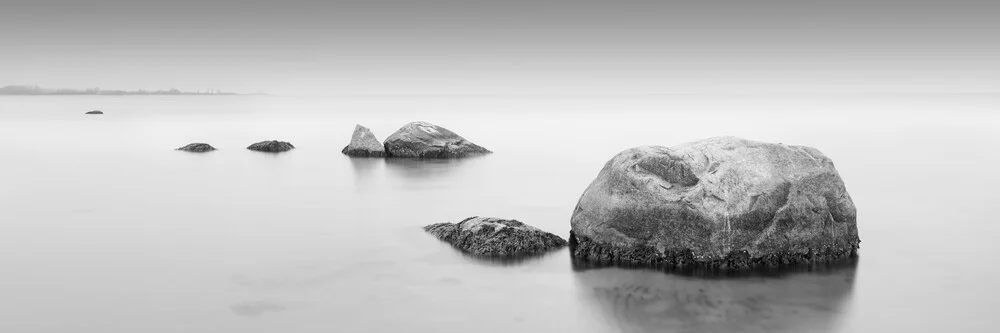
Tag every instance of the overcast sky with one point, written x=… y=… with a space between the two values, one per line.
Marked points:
x=502 y=47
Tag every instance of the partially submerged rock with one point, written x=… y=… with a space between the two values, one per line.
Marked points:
x=723 y=202
x=197 y=148
x=493 y=237
x=95 y=112
x=426 y=140
x=364 y=144
x=272 y=146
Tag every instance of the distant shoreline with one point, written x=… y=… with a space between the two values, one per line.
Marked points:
x=15 y=90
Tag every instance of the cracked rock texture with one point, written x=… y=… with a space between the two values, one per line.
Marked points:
x=723 y=202
x=494 y=237
x=364 y=144
x=426 y=140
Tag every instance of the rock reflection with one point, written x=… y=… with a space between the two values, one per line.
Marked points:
x=422 y=169
x=366 y=172
x=637 y=300
x=365 y=165
x=255 y=308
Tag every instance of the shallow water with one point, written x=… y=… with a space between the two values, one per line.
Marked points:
x=105 y=228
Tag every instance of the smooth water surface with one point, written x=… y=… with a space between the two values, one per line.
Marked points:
x=105 y=228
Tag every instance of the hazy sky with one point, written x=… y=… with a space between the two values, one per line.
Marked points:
x=500 y=47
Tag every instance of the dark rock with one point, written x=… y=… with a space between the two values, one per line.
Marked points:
x=197 y=148
x=364 y=144
x=725 y=202
x=272 y=146
x=425 y=140
x=493 y=237
x=95 y=112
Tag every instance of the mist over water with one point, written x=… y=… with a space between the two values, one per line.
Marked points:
x=330 y=47
x=105 y=228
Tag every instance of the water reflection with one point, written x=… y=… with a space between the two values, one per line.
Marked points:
x=256 y=308
x=365 y=166
x=637 y=300
x=422 y=169
x=366 y=172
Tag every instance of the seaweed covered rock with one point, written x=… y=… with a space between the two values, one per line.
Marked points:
x=426 y=140
x=197 y=148
x=272 y=146
x=723 y=202
x=364 y=144
x=493 y=237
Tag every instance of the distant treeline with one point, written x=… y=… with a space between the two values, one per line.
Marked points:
x=36 y=90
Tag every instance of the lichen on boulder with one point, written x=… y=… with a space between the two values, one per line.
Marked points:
x=272 y=146
x=494 y=237
x=426 y=140
x=197 y=148
x=722 y=202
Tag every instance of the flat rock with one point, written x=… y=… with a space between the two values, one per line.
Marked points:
x=426 y=140
x=364 y=144
x=493 y=237
x=95 y=112
x=272 y=146
x=197 y=148
x=723 y=202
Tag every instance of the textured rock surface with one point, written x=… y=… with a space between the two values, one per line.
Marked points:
x=95 y=112
x=272 y=146
x=425 y=140
x=493 y=237
x=364 y=144
x=197 y=148
x=722 y=202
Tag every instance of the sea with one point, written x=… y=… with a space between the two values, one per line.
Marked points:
x=105 y=227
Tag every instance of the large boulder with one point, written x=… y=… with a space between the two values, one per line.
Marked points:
x=723 y=202
x=272 y=146
x=95 y=112
x=425 y=140
x=197 y=148
x=493 y=237
x=364 y=144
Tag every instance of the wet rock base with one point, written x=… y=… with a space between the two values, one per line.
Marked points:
x=588 y=254
x=496 y=238
x=359 y=152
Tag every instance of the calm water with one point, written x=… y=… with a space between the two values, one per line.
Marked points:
x=105 y=228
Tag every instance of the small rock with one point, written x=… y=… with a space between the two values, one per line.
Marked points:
x=493 y=237
x=95 y=112
x=364 y=144
x=273 y=146
x=197 y=148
